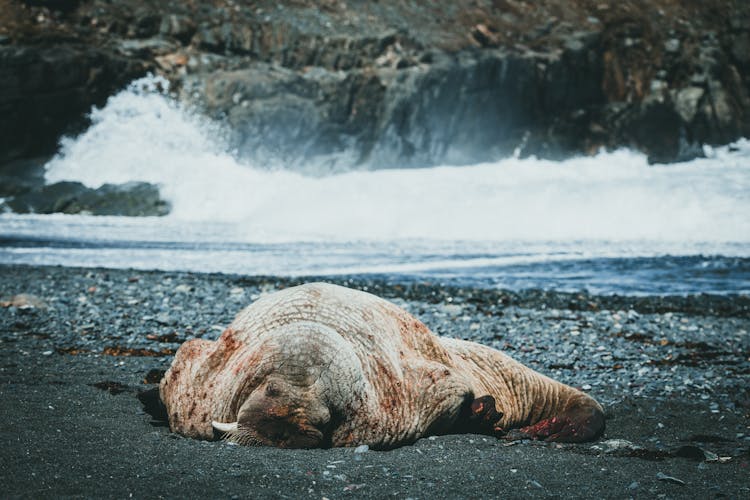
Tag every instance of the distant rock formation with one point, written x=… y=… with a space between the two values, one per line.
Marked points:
x=129 y=199
x=392 y=83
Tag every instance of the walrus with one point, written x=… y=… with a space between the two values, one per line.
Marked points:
x=321 y=365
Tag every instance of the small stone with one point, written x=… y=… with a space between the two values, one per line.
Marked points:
x=672 y=45
x=613 y=445
x=451 y=309
x=669 y=479
x=633 y=486
x=165 y=319
x=24 y=301
x=363 y=448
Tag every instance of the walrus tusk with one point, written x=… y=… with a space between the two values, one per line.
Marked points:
x=224 y=427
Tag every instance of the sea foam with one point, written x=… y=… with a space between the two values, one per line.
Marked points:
x=142 y=134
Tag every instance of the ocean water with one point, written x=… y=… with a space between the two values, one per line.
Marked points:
x=608 y=223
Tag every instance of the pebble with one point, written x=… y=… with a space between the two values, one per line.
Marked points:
x=614 y=445
x=670 y=479
x=535 y=484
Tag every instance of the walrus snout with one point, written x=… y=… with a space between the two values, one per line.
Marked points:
x=280 y=414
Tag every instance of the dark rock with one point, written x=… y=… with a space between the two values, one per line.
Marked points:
x=177 y=26
x=130 y=199
x=47 y=91
x=147 y=23
x=388 y=84
x=655 y=129
x=462 y=108
x=20 y=176
x=60 y=5
x=207 y=38
x=49 y=199
x=741 y=48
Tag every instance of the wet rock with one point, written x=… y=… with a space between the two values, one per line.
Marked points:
x=131 y=199
x=21 y=176
x=46 y=91
x=741 y=48
x=147 y=23
x=655 y=129
x=177 y=26
x=459 y=109
x=392 y=86
x=48 y=199
x=61 y=5
x=686 y=102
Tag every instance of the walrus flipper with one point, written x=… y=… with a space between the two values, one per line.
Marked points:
x=481 y=416
x=582 y=422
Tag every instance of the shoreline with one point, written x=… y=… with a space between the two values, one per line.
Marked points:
x=671 y=372
x=729 y=304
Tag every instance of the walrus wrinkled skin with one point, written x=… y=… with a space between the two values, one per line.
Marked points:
x=320 y=365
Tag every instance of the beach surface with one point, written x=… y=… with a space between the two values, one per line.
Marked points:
x=79 y=346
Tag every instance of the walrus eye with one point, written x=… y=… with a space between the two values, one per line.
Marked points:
x=272 y=390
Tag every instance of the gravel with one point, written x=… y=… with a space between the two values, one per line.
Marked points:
x=79 y=344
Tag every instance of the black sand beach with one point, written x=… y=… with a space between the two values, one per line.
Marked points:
x=672 y=374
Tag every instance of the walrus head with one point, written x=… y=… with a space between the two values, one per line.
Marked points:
x=280 y=414
x=286 y=388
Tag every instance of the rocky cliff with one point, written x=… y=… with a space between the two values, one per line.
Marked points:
x=342 y=83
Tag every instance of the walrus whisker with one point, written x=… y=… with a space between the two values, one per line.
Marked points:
x=242 y=437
